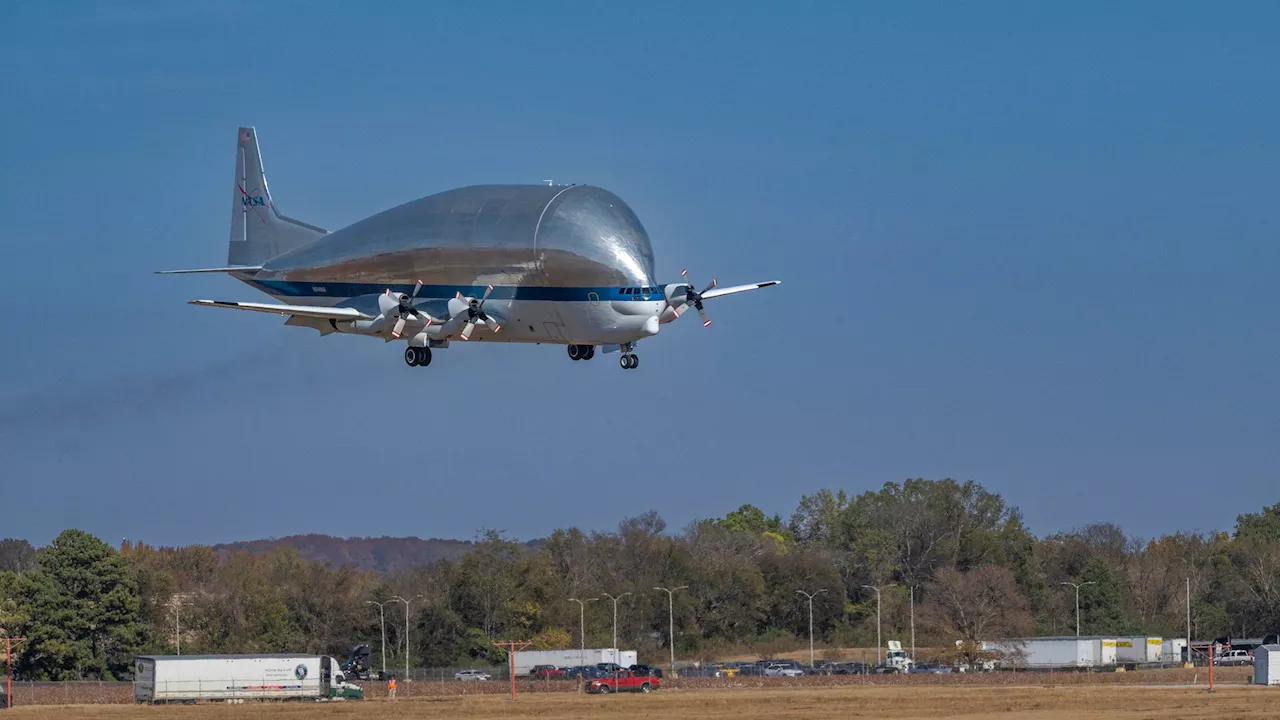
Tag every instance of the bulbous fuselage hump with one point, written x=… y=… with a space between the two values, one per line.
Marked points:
x=504 y=235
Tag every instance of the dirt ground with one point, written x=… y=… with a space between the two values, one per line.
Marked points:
x=1112 y=702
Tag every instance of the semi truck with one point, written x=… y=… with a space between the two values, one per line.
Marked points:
x=235 y=678
x=527 y=660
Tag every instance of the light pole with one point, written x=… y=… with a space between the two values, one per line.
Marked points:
x=615 y=623
x=382 y=621
x=671 y=613
x=810 y=596
x=582 y=628
x=1077 y=586
x=397 y=598
x=873 y=587
x=177 y=601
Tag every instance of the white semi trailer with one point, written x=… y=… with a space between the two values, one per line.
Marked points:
x=526 y=660
x=230 y=678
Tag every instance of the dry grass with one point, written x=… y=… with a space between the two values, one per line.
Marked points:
x=1111 y=702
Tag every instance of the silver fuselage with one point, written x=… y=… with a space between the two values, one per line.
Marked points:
x=567 y=264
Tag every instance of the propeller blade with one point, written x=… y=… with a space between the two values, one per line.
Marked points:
x=713 y=284
x=466 y=331
x=706 y=321
x=416 y=289
x=395 y=332
x=679 y=309
x=486 y=297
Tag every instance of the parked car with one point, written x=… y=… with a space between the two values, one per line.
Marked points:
x=1234 y=657
x=547 y=672
x=469 y=675
x=706 y=671
x=931 y=668
x=589 y=672
x=623 y=681
x=610 y=667
x=781 y=670
x=646 y=670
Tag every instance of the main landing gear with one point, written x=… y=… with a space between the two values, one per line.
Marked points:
x=417 y=356
x=582 y=352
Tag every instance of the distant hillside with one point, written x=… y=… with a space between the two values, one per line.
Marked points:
x=384 y=554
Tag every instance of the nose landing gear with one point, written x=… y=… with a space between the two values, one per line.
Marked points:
x=629 y=362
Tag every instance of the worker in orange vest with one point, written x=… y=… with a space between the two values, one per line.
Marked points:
x=391 y=688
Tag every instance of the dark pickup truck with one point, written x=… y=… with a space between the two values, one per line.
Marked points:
x=623 y=681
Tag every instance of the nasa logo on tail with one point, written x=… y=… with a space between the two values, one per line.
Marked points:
x=254 y=200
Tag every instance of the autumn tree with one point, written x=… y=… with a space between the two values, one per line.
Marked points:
x=984 y=603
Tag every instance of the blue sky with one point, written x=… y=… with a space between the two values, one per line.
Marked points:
x=1029 y=244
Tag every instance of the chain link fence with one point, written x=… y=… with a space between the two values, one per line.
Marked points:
x=440 y=682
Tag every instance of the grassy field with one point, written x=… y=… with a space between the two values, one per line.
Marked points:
x=821 y=703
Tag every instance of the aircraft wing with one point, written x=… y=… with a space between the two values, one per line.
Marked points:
x=717 y=292
x=324 y=313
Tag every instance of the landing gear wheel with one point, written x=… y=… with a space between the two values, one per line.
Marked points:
x=411 y=356
x=591 y=352
x=424 y=356
x=629 y=362
x=575 y=352
x=635 y=361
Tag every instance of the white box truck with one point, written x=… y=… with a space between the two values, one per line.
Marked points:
x=231 y=678
x=526 y=660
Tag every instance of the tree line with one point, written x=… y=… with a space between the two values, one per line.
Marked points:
x=973 y=569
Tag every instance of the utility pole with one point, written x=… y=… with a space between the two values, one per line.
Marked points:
x=912 y=603
x=1077 y=586
x=615 y=623
x=1188 y=619
x=8 y=669
x=582 y=628
x=397 y=598
x=671 y=614
x=382 y=621
x=810 y=596
x=878 y=644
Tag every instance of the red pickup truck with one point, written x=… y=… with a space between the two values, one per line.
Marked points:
x=623 y=681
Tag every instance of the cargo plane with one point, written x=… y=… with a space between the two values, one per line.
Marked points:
x=568 y=265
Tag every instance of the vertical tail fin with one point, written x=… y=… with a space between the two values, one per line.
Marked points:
x=258 y=231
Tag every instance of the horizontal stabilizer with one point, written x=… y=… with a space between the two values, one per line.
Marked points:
x=737 y=289
x=235 y=269
x=325 y=313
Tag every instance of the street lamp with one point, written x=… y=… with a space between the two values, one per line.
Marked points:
x=382 y=621
x=811 y=596
x=582 y=628
x=873 y=587
x=1077 y=586
x=615 y=623
x=176 y=601
x=671 y=613
x=397 y=598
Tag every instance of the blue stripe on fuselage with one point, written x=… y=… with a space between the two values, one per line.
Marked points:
x=283 y=288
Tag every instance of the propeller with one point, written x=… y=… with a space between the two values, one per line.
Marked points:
x=693 y=298
x=404 y=307
x=476 y=314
